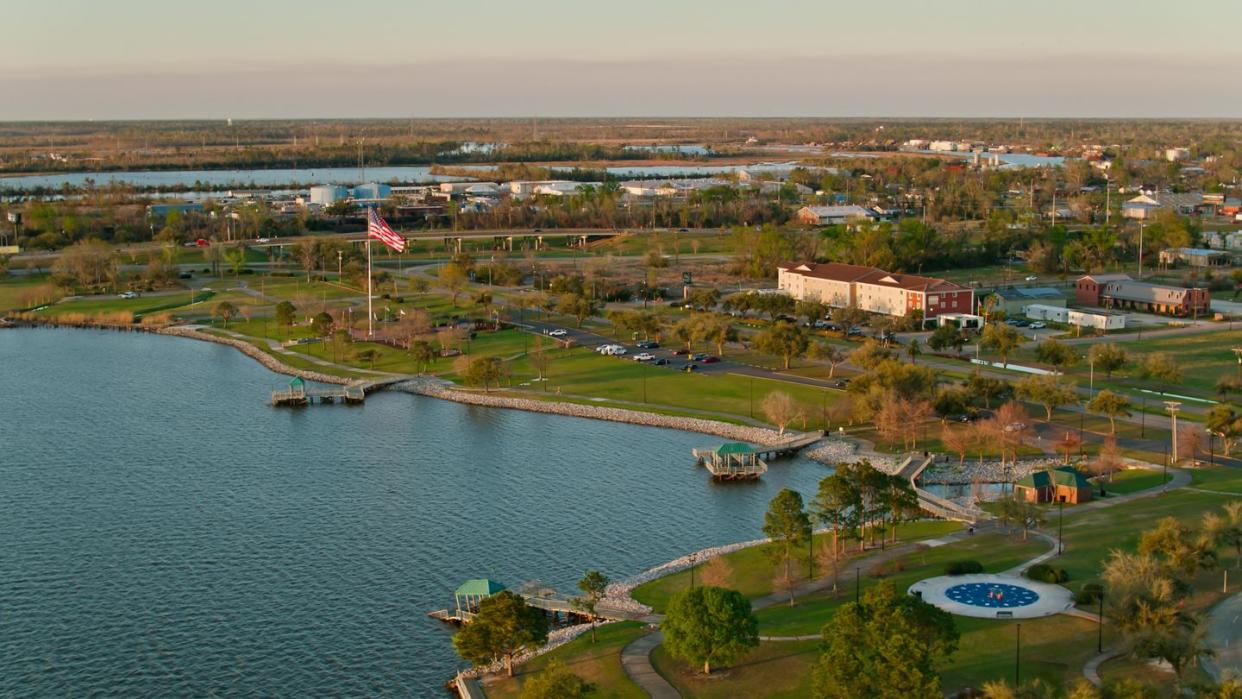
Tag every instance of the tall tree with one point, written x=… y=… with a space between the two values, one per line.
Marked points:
x=787 y=524
x=592 y=585
x=837 y=504
x=503 y=627
x=1113 y=405
x=710 y=626
x=1047 y=391
x=887 y=645
x=780 y=409
x=1001 y=339
x=1108 y=357
x=555 y=682
x=784 y=340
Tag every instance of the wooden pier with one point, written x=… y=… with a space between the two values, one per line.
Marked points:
x=297 y=395
x=739 y=461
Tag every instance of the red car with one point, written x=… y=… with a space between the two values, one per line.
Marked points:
x=709 y=359
x=679 y=352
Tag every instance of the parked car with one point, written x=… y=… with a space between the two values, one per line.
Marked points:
x=698 y=357
x=558 y=332
x=710 y=359
x=643 y=357
x=690 y=367
x=854 y=330
x=1038 y=325
x=1032 y=277
x=647 y=344
x=129 y=295
x=679 y=352
x=661 y=361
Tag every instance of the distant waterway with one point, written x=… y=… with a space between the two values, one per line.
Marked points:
x=240 y=179
x=166 y=533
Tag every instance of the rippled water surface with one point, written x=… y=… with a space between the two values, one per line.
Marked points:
x=165 y=533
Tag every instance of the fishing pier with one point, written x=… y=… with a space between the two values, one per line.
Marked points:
x=297 y=395
x=741 y=461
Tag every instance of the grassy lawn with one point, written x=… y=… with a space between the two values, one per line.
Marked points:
x=771 y=670
x=598 y=663
x=752 y=571
x=112 y=303
x=997 y=552
x=1223 y=479
x=20 y=292
x=1134 y=480
x=1054 y=649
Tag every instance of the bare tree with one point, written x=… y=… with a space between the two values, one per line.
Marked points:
x=780 y=409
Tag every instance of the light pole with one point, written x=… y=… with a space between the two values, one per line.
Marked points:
x=1237 y=352
x=1060 y=524
x=1099 y=641
x=1140 y=255
x=857 y=584
x=1173 y=406
x=1017 y=657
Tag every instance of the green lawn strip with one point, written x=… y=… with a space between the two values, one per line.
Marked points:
x=535 y=394
x=1134 y=480
x=93 y=305
x=17 y=292
x=1219 y=478
x=996 y=552
x=1054 y=649
x=773 y=670
x=1143 y=671
x=598 y=663
x=1090 y=535
x=293 y=360
x=752 y=570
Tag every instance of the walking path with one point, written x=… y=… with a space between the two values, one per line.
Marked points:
x=1225 y=636
x=636 y=661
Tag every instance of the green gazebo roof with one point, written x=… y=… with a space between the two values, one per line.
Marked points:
x=1065 y=475
x=734 y=448
x=479 y=587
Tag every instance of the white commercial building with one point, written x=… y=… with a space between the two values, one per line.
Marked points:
x=1100 y=320
x=328 y=194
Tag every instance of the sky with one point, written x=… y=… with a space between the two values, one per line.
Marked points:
x=86 y=59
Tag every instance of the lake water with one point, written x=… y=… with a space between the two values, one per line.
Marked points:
x=166 y=533
x=240 y=179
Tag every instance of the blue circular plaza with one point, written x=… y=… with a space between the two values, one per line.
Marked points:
x=992 y=594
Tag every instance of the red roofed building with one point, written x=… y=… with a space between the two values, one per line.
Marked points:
x=874 y=290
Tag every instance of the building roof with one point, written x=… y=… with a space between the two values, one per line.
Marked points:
x=1064 y=475
x=734 y=448
x=833 y=271
x=1200 y=252
x=1030 y=292
x=910 y=282
x=847 y=211
x=1104 y=278
x=842 y=272
x=479 y=586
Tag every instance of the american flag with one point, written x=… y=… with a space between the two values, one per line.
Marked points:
x=377 y=228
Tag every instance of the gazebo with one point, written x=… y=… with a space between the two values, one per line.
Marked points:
x=1065 y=484
x=734 y=460
x=470 y=593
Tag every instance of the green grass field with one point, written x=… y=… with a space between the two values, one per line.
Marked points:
x=598 y=663
x=773 y=670
x=997 y=552
x=752 y=571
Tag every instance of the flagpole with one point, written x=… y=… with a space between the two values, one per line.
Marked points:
x=369 y=315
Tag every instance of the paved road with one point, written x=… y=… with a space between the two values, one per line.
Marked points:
x=1225 y=635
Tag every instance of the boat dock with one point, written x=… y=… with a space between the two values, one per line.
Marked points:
x=298 y=395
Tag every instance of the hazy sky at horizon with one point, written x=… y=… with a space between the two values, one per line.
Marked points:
x=81 y=59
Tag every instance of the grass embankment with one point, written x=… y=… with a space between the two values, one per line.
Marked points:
x=598 y=663
x=773 y=670
x=753 y=571
x=996 y=552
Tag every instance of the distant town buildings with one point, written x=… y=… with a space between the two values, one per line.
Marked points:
x=834 y=215
x=1196 y=257
x=873 y=290
x=1146 y=205
x=1121 y=292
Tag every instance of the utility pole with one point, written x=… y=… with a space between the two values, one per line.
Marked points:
x=1099 y=641
x=1017 y=657
x=1140 y=256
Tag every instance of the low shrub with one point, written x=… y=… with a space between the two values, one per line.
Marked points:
x=963 y=568
x=1089 y=594
x=1046 y=573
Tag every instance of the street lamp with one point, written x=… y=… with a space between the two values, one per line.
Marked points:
x=1099 y=641
x=1173 y=406
x=1237 y=352
x=1060 y=524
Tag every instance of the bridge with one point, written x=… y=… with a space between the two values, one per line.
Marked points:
x=931 y=503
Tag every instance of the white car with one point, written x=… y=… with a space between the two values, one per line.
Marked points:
x=559 y=332
x=129 y=295
x=263 y=240
x=1032 y=277
x=644 y=357
x=1038 y=325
